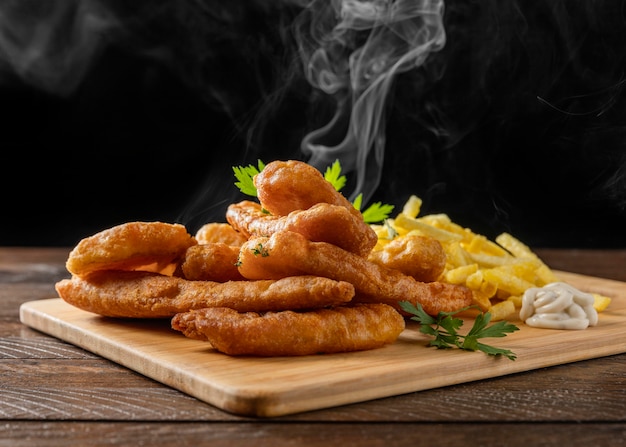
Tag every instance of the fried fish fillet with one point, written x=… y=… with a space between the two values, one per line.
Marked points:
x=151 y=246
x=288 y=254
x=286 y=186
x=219 y=232
x=150 y=295
x=421 y=257
x=289 y=333
x=215 y=261
x=321 y=222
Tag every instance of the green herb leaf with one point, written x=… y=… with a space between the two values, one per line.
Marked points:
x=470 y=343
x=377 y=212
x=498 y=329
x=450 y=324
x=245 y=175
x=260 y=250
x=444 y=328
x=358 y=201
x=420 y=315
x=496 y=351
x=333 y=175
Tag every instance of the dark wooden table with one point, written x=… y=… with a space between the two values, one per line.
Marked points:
x=55 y=394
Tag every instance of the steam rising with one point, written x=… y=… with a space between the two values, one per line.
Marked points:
x=50 y=44
x=487 y=108
x=354 y=51
x=351 y=50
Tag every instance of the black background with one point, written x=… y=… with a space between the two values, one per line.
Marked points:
x=517 y=125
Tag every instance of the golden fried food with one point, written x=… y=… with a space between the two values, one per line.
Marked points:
x=219 y=232
x=150 y=246
x=321 y=222
x=288 y=333
x=215 y=261
x=421 y=257
x=286 y=186
x=136 y=294
x=288 y=254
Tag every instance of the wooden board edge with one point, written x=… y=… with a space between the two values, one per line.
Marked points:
x=264 y=404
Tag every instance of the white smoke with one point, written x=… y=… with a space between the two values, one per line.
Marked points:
x=51 y=44
x=351 y=50
x=354 y=50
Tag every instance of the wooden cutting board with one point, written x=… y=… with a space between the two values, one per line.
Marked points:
x=269 y=387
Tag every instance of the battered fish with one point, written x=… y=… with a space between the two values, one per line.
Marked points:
x=288 y=254
x=219 y=232
x=321 y=222
x=150 y=295
x=288 y=333
x=421 y=257
x=286 y=186
x=151 y=246
x=215 y=261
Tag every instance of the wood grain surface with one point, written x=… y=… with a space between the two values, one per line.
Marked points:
x=55 y=393
x=269 y=387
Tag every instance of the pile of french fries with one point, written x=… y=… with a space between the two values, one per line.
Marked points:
x=498 y=272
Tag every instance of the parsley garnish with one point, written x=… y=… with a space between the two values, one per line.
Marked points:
x=444 y=328
x=260 y=250
x=244 y=175
x=376 y=212
x=334 y=177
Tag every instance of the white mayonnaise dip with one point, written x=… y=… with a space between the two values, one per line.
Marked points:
x=558 y=306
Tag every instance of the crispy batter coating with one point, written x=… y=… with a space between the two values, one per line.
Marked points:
x=219 y=232
x=421 y=257
x=214 y=261
x=287 y=254
x=150 y=295
x=321 y=222
x=286 y=186
x=288 y=333
x=148 y=246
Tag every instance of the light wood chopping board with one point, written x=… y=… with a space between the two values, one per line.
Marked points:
x=267 y=387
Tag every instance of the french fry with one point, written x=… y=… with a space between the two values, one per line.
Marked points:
x=600 y=302
x=456 y=255
x=503 y=310
x=459 y=275
x=403 y=224
x=515 y=246
x=522 y=251
x=479 y=244
x=507 y=282
x=412 y=206
x=516 y=300
x=498 y=272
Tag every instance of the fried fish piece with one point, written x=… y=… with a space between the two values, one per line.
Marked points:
x=421 y=257
x=136 y=294
x=286 y=186
x=150 y=246
x=288 y=254
x=214 y=261
x=321 y=222
x=219 y=232
x=289 y=333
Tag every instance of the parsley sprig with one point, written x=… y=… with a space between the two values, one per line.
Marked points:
x=444 y=328
x=334 y=176
x=376 y=212
x=244 y=176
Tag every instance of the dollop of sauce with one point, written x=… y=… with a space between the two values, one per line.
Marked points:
x=558 y=306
